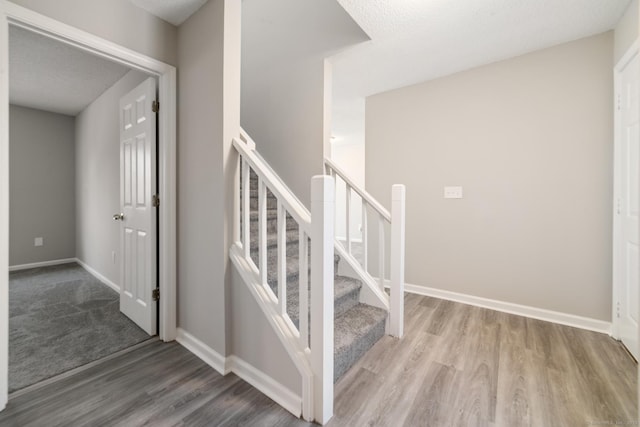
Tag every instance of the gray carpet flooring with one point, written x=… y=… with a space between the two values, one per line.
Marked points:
x=60 y=318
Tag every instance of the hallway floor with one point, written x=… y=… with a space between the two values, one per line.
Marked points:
x=457 y=365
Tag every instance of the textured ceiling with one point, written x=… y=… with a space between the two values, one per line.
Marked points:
x=418 y=40
x=172 y=11
x=52 y=76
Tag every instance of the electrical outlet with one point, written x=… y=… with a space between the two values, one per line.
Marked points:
x=453 y=192
x=38 y=241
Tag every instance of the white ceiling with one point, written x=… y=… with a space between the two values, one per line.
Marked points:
x=418 y=40
x=52 y=76
x=172 y=11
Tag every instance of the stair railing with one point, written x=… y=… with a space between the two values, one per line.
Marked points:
x=311 y=343
x=381 y=220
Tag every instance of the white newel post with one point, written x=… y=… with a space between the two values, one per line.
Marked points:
x=396 y=300
x=322 y=225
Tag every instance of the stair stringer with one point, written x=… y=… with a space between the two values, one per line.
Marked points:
x=283 y=328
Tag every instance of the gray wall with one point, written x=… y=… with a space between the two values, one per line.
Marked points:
x=201 y=202
x=531 y=141
x=214 y=303
x=283 y=81
x=41 y=186
x=97 y=184
x=116 y=20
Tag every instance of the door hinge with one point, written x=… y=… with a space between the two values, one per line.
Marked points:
x=155 y=294
x=619 y=102
x=155 y=106
x=155 y=201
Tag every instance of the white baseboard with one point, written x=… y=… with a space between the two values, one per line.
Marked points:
x=258 y=379
x=41 y=264
x=98 y=276
x=267 y=385
x=203 y=351
x=517 y=309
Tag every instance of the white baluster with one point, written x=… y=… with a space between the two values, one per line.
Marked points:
x=246 y=216
x=282 y=259
x=335 y=212
x=262 y=230
x=322 y=237
x=303 y=280
x=365 y=228
x=381 y=243
x=236 y=200
x=347 y=190
x=396 y=301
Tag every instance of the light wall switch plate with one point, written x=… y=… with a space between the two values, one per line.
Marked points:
x=38 y=241
x=453 y=192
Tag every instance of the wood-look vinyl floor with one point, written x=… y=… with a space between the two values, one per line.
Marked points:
x=457 y=365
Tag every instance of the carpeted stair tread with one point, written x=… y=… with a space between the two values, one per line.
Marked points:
x=355 y=332
x=346 y=293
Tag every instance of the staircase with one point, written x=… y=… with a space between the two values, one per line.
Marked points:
x=286 y=256
x=357 y=326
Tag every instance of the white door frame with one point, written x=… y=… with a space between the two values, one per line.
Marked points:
x=12 y=14
x=617 y=164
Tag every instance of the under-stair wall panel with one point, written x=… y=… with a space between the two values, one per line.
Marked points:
x=253 y=340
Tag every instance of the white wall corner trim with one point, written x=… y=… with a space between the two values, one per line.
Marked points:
x=42 y=264
x=517 y=309
x=280 y=394
x=98 y=276
x=203 y=351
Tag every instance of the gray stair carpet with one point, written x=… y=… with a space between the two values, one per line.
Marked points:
x=61 y=317
x=357 y=326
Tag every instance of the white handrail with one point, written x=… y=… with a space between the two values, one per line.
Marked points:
x=296 y=209
x=368 y=198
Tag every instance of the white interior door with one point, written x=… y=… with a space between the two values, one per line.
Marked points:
x=627 y=186
x=138 y=216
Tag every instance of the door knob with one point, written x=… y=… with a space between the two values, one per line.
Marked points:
x=118 y=217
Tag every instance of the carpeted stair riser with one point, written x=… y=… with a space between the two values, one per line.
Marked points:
x=357 y=326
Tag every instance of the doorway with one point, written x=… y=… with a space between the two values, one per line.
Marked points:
x=65 y=183
x=626 y=235
x=16 y=16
